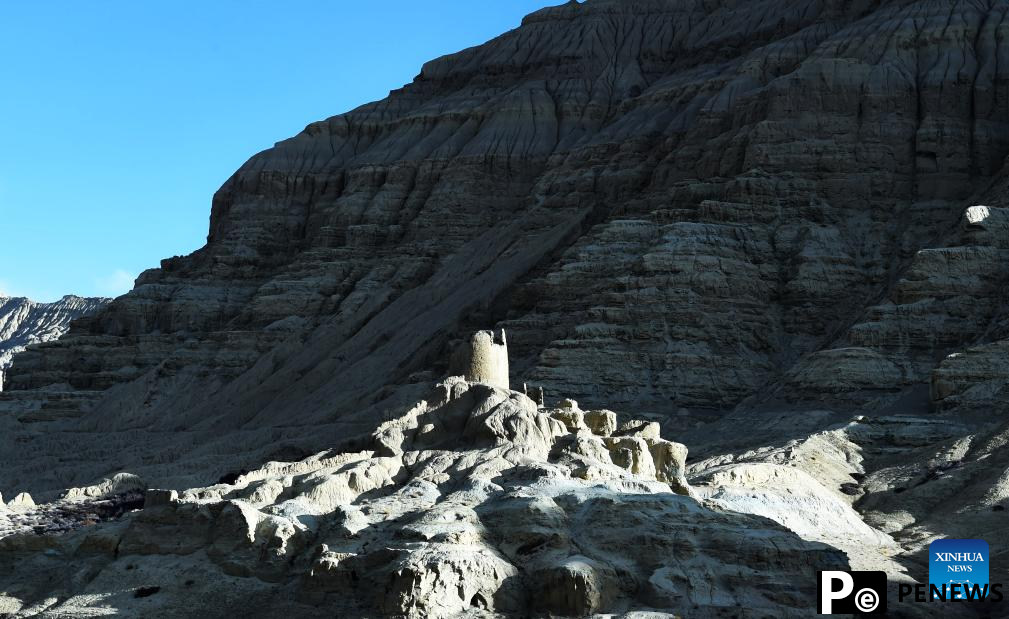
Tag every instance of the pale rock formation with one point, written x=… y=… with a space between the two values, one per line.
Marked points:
x=602 y=422
x=24 y=322
x=797 y=501
x=472 y=501
x=120 y=483
x=776 y=229
x=673 y=208
x=21 y=502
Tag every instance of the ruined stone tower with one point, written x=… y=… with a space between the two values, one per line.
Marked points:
x=482 y=359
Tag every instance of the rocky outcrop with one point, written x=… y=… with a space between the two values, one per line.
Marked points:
x=775 y=231
x=472 y=501
x=24 y=322
x=673 y=207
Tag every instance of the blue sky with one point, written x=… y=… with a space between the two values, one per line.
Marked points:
x=119 y=119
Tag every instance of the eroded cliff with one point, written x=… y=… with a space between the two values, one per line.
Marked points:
x=24 y=322
x=667 y=204
x=783 y=218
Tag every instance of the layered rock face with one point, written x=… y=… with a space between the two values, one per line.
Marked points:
x=24 y=322
x=777 y=231
x=667 y=203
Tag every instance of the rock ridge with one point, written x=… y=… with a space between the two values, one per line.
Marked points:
x=474 y=502
x=24 y=322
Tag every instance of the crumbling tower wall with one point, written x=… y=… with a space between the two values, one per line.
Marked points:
x=483 y=359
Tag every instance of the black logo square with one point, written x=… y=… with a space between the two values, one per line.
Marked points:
x=840 y=592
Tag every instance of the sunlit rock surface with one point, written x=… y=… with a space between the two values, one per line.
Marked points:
x=777 y=231
x=472 y=502
x=24 y=322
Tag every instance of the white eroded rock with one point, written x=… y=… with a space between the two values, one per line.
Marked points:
x=472 y=500
x=21 y=502
x=118 y=484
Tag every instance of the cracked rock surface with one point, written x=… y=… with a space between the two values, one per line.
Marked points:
x=776 y=232
x=473 y=502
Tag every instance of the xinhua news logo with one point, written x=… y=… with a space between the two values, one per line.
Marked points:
x=958 y=571
x=851 y=592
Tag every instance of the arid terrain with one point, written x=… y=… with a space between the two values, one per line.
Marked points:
x=755 y=254
x=24 y=322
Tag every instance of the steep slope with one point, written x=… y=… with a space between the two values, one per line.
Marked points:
x=668 y=203
x=787 y=217
x=24 y=322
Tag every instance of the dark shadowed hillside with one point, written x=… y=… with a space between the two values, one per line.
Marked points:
x=780 y=230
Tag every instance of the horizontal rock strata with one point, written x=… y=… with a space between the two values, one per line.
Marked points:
x=775 y=231
x=24 y=323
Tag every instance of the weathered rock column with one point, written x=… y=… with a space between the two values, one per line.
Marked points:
x=483 y=359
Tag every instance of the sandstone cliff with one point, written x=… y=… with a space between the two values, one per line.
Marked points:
x=24 y=322
x=670 y=205
x=788 y=218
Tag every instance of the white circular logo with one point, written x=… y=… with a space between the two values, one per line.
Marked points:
x=866 y=600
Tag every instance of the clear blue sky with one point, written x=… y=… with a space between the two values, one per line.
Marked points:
x=119 y=119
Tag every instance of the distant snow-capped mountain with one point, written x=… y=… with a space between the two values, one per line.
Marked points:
x=24 y=322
